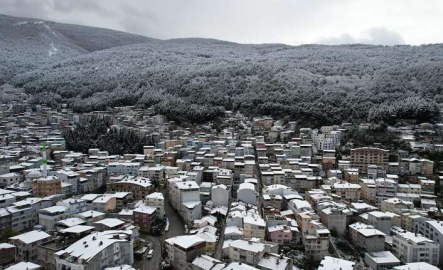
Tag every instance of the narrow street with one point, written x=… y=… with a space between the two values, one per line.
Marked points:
x=176 y=227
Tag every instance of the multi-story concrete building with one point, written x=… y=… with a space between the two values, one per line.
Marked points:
x=182 y=250
x=104 y=204
x=362 y=157
x=70 y=177
x=381 y=260
x=254 y=227
x=7 y=199
x=8 y=253
x=414 y=166
x=385 y=189
x=98 y=250
x=155 y=173
x=335 y=219
x=368 y=191
x=8 y=179
x=247 y=194
x=432 y=229
x=326 y=141
x=144 y=217
x=24 y=213
x=395 y=205
x=157 y=201
x=316 y=241
x=384 y=221
x=26 y=245
x=48 y=217
x=367 y=237
x=74 y=206
x=47 y=186
x=96 y=176
x=410 y=247
x=182 y=192
x=250 y=252
x=280 y=234
x=220 y=195
x=91 y=216
x=129 y=168
x=347 y=191
x=140 y=187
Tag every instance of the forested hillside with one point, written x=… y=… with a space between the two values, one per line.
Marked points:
x=26 y=44
x=197 y=79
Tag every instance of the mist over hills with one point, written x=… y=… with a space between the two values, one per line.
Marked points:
x=195 y=80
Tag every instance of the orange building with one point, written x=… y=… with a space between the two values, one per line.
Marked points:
x=47 y=186
x=364 y=156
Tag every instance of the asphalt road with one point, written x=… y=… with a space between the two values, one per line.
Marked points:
x=176 y=227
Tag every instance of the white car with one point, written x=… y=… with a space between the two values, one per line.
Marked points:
x=150 y=253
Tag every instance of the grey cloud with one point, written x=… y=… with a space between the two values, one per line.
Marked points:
x=249 y=21
x=67 y=6
x=383 y=36
x=25 y=8
x=143 y=22
x=374 y=36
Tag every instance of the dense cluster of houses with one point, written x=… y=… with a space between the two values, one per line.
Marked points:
x=246 y=195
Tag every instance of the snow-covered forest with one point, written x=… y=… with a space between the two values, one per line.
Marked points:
x=195 y=80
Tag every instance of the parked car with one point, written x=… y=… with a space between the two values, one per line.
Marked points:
x=150 y=253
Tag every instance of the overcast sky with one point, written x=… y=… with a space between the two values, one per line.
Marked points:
x=294 y=22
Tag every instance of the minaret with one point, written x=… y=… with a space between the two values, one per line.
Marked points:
x=45 y=162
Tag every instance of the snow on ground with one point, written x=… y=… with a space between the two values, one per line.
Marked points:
x=53 y=50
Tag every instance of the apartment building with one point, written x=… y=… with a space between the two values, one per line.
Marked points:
x=326 y=141
x=384 y=221
x=129 y=168
x=335 y=219
x=395 y=205
x=8 y=252
x=24 y=213
x=26 y=245
x=220 y=195
x=316 y=241
x=385 y=189
x=409 y=188
x=347 y=191
x=280 y=234
x=140 y=187
x=364 y=156
x=73 y=206
x=104 y=204
x=97 y=177
x=8 y=179
x=367 y=237
x=254 y=227
x=182 y=250
x=91 y=216
x=411 y=247
x=47 y=186
x=414 y=166
x=70 y=177
x=157 y=201
x=97 y=250
x=381 y=260
x=432 y=229
x=250 y=252
x=48 y=217
x=369 y=191
x=247 y=194
x=155 y=173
